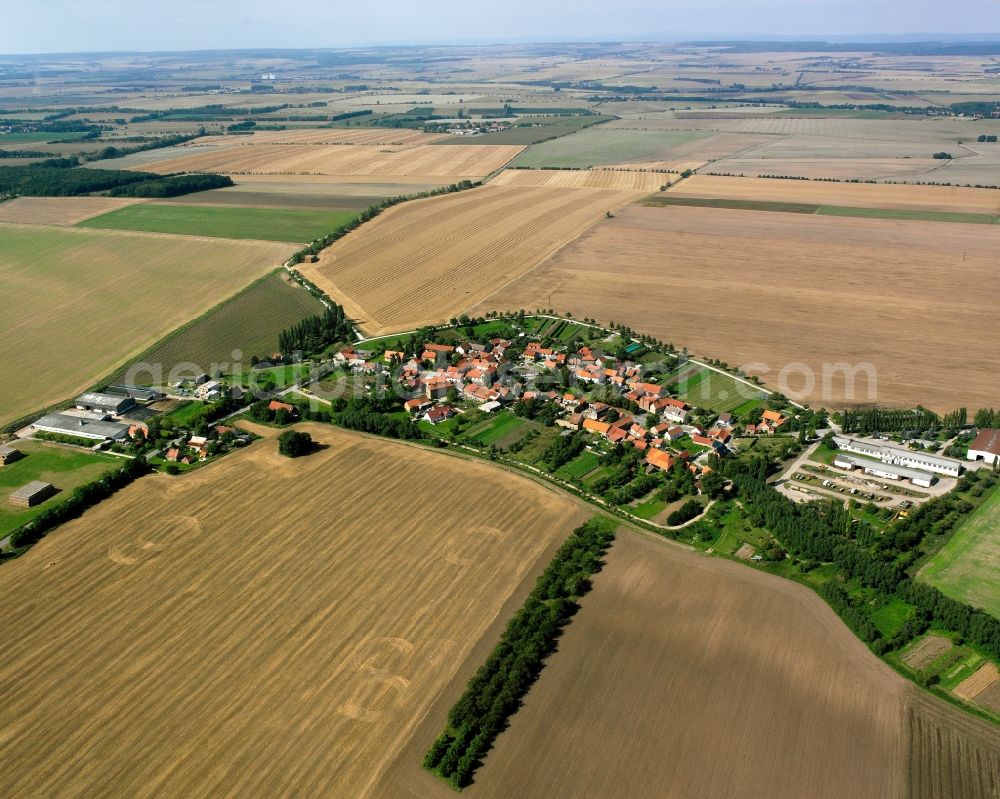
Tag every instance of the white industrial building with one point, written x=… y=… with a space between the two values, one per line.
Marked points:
x=884 y=470
x=899 y=456
x=986 y=446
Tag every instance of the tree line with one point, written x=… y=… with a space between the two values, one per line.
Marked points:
x=496 y=690
x=57 y=178
x=887 y=420
x=173 y=186
x=315 y=333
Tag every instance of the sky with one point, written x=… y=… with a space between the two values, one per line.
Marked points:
x=33 y=26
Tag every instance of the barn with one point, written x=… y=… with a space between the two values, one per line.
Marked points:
x=985 y=446
x=106 y=403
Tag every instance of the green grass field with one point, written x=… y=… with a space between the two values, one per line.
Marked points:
x=649 y=507
x=891 y=616
x=597 y=147
x=231 y=222
x=825 y=210
x=582 y=464
x=716 y=391
x=249 y=322
x=35 y=137
x=966 y=567
x=66 y=468
x=492 y=430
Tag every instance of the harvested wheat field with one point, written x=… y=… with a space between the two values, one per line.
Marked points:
x=784 y=293
x=854 y=195
x=583 y=179
x=59 y=210
x=164 y=645
x=431 y=161
x=372 y=137
x=976 y=683
x=685 y=676
x=77 y=302
x=425 y=261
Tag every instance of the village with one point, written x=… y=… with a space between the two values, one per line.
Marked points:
x=617 y=418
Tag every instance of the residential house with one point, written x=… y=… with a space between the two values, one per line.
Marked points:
x=439 y=413
x=660 y=459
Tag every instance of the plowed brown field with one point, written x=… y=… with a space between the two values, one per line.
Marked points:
x=952 y=756
x=168 y=644
x=425 y=261
x=788 y=293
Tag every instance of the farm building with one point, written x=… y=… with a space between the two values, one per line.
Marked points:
x=108 y=403
x=31 y=494
x=67 y=425
x=9 y=455
x=884 y=470
x=143 y=396
x=986 y=446
x=897 y=456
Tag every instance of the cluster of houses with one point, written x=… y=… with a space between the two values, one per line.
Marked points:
x=482 y=373
x=193 y=449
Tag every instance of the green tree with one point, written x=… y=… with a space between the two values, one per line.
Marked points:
x=294 y=443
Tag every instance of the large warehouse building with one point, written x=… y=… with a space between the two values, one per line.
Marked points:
x=898 y=456
x=82 y=427
x=105 y=403
x=884 y=470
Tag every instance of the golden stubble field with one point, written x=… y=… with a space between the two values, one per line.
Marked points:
x=781 y=292
x=852 y=195
x=454 y=161
x=425 y=261
x=77 y=302
x=685 y=676
x=262 y=627
x=584 y=179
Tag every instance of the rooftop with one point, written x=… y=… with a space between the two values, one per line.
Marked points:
x=885 y=468
x=79 y=426
x=988 y=440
